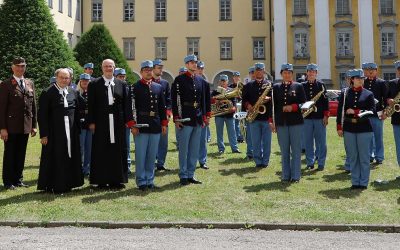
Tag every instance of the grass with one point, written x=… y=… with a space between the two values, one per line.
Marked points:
x=232 y=191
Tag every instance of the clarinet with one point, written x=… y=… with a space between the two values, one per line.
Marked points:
x=134 y=112
x=179 y=104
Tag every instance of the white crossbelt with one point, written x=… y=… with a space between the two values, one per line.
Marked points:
x=109 y=85
x=64 y=93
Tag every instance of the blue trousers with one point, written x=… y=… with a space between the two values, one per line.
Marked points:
x=177 y=138
x=314 y=130
x=289 y=139
x=86 y=149
x=162 y=150
x=376 y=145
x=249 y=143
x=146 y=146
x=358 y=146
x=303 y=139
x=239 y=135
x=230 y=126
x=203 y=145
x=346 y=160
x=189 y=146
x=396 y=133
x=208 y=133
x=128 y=147
x=261 y=138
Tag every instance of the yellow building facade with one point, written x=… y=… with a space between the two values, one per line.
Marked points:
x=337 y=35
x=227 y=35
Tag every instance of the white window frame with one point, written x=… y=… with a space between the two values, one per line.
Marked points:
x=386 y=10
x=225 y=10
x=343 y=10
x=257 y=41
x=129 y=10
x=97 y=10
x=304 y=35
x=60 y=6
x=385 y=45
x=78 y=10
x=344 y=52
x=257 y=6
x=161 y=48
x=298 y=9
x=193 y=10
x=225 y=45
x=128 y=45
x=160 y=14
x=193 y=46
x=50 y=3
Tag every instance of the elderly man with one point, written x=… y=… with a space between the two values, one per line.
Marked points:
x=17 y=121
x=58 y=116
x=109 y=111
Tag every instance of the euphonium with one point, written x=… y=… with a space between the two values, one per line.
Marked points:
x=259 y=107
x=390 y=110
x=224 y=105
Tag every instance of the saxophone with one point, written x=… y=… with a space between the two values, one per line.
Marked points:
x=259 y=107
x=390 y=110
x=312 y=103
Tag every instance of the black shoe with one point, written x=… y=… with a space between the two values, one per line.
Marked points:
x=347 y=171
x=355 y=187
x=204 y=166
x=101 y=186
x=143 y=188
x=259 y=166
x=294 y=181
x=117 y=186
x=265 y=166
x=184 y=181
x=194 y=181
x=236 y=151
x=285 y=181
x=248 y=157
x=378 y=162
x=21 y=184
x=161 y=168
x=371 y=160
x=221 y=152
x=362 y=187
x=309 y=167
x=303 y=151
x=240 y=140
x=152 y=187
x=321 y=168
x=9 y=187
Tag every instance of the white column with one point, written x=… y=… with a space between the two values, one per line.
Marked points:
x=366 y=26
x=322 y=38
x=280 y=36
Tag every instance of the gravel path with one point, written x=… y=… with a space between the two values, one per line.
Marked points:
x=94 y=238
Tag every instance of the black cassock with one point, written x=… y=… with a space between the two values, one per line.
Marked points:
x=109 y=160
x=58 y=171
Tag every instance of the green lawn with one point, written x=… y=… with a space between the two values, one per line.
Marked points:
x=232 y=190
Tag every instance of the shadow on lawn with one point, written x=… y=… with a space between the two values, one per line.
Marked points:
x=342 y=176
x=392 y=184
x=239 y=171
x=115 y=194
x=241 y=159
x=268 y=186
x=341 y=193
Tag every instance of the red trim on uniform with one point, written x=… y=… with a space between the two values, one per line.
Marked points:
x=204 y=119
x=189 y=74
x=327 y=113
x=246 y=104
x=213 y=100
x=164 y=123
x=356 y=112
x=130 y=124
x=233 y=109
x=270 y=120
x=358 y=89
x=295 y=107
x=145 y=82
x=169 y=112
x=156 y=80
x=208 y=114
x=339 y=127
x=176 y=117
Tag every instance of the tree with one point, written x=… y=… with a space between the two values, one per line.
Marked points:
x=96 y=45
x=28 y=30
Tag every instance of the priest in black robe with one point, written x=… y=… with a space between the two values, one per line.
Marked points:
x=58 y=117
x=109 y=112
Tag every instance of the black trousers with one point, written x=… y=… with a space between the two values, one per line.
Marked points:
x=14 y=158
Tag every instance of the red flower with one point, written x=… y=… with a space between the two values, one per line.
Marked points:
x=13 y=81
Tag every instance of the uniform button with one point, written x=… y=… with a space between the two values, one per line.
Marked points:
x=151 y=106
x=151 y=101
x=285 y=98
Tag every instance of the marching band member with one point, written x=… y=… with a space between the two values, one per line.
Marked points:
x=205 y=135
x=148 y=106
x=249 y=144
x=86 y=134
x=227 y=119
x=356 y=130
x=236 y=81
x=378 y=87
x=394 y=93
x=182 y=70
x=163 y=146
x=346 y=161
x=287 y=121
x=189 y=101
x=259 y=130
x=315 y=123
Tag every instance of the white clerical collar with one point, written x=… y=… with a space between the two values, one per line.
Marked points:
x=61 y=90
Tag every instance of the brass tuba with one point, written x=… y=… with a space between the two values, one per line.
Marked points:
x=224 y=105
